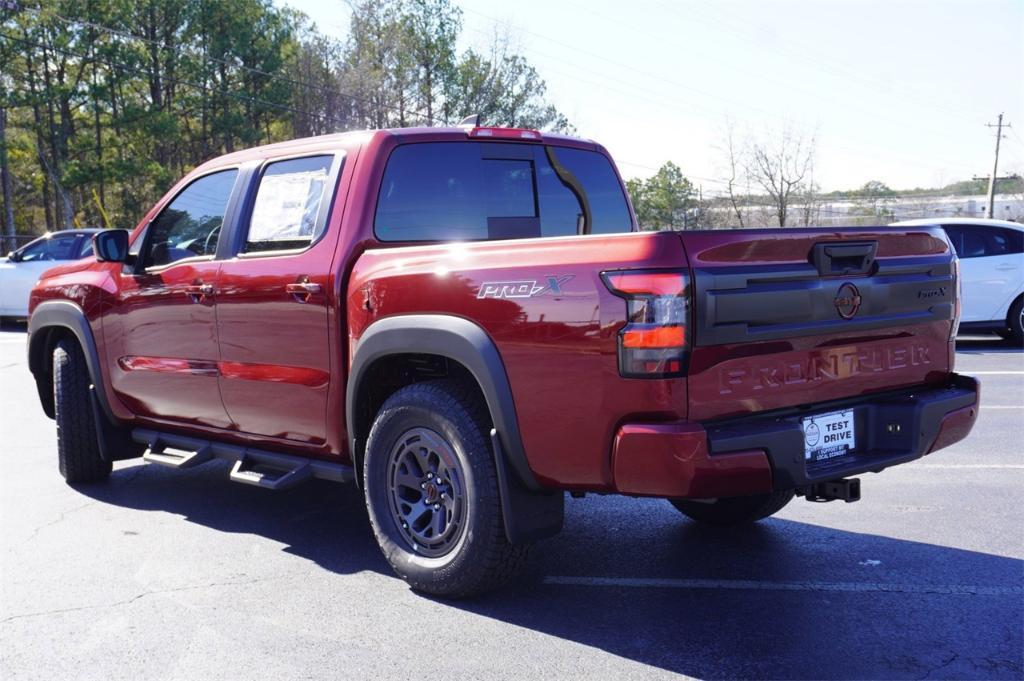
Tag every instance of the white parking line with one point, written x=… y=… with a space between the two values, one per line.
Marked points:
x=1001 y=406
x=960 y=466
x=745 y=584
x=994 y=373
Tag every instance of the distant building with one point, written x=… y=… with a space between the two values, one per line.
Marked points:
x=885 y=210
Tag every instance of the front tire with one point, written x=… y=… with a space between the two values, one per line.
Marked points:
x=432 y=492
x=78 y=450
x=733 y=511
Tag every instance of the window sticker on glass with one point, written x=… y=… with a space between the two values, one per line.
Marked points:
x=287 y=206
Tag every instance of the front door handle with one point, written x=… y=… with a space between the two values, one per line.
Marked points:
x=197 y=292
x=1006 y=266
x=303 y=290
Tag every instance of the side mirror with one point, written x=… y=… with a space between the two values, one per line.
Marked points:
x=14 y=256
x=111 y=245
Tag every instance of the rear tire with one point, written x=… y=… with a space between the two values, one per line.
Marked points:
x=733 y=511
x=1015 y=322
x=78 y=450
x=443 y=533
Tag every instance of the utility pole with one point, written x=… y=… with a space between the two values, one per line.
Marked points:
x=995 y=165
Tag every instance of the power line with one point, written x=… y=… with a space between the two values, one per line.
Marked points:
x=176 y=81
x=810 y=57
x=783 y=81
x=913 y=160
x=431 y=119
x=814 y=63
x=272 y=76
x=709 y=180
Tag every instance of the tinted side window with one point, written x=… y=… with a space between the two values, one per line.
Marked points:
x=53 y=248
x=191 y=223
x=288 y=211
x=973 y=244
x=85 y=246
x=441 y=191
x=956 y=237
x=34 y=251
x=1003 y=241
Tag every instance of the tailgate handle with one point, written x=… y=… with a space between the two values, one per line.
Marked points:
x=832 y=259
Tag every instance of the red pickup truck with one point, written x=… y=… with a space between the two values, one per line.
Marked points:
x=467 y=323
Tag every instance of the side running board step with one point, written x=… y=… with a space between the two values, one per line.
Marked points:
x=249 y=471
x=188 y=452
x=269 y=470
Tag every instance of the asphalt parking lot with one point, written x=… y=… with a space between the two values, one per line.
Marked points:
x=168 y=574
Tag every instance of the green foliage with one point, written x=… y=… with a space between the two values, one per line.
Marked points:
x=108 y=102
x=402 y=69
x=666 y=200
x=876 y=189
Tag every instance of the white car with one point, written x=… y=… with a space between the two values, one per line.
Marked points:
x=991 y=273
x=21 y=269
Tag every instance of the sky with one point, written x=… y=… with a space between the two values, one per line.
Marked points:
x=891 y=90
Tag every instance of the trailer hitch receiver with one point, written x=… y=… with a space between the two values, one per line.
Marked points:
x=848 y=490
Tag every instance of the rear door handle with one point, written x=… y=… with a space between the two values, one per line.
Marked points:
x=197 y=292
x=303 y=290
x=1006 y=266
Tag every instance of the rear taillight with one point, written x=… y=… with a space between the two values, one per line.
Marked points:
x=957 y=292
x=654 y=341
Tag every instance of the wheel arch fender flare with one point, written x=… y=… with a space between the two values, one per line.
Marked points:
x=65 y=315
x=529 y=511
x=447 y=336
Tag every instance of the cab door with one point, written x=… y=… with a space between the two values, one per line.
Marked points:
x=274 y=302
x=161 y=335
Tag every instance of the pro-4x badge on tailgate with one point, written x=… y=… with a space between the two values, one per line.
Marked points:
x=526 y=288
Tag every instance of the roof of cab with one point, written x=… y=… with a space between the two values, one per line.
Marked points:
x=355 y=138
x=967 y=222
x=302 y=144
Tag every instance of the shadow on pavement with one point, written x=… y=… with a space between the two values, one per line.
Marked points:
x=986 y=345
x=818 y=606
x=820 y=602
x=320 y=521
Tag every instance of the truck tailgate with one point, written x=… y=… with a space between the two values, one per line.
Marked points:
x=793 y=317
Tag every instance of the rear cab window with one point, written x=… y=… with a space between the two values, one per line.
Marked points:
x=464 y=191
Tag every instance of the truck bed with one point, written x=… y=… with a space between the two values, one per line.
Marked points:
x=764 y=330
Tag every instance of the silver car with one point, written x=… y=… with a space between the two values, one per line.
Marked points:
x=21 y=269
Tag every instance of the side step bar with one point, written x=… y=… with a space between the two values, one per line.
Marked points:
x=250 y=472
x=268 y=470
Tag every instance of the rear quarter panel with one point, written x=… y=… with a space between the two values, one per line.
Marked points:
x=558 y=347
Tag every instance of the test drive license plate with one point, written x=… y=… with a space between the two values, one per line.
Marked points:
x=827 y=436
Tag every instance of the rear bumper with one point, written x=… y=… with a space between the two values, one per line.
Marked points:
x=757 y=454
